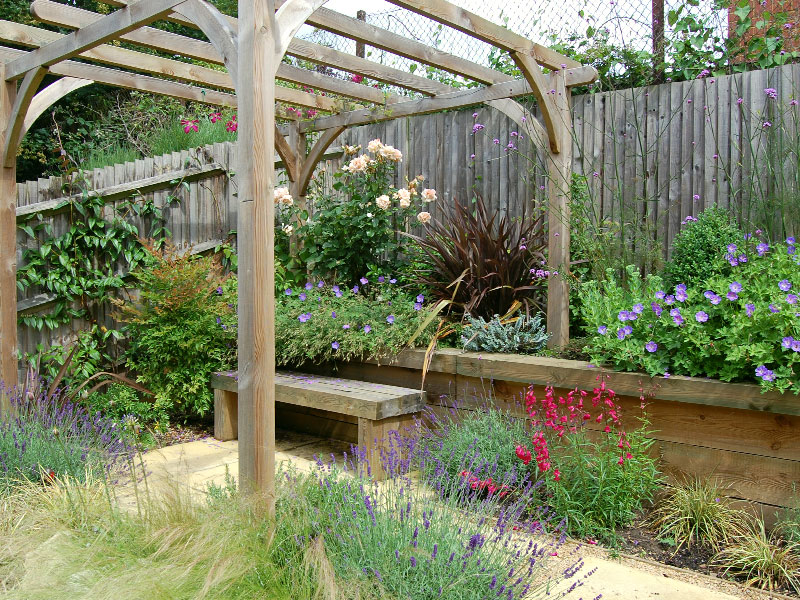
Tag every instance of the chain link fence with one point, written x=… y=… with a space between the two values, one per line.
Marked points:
x=621 y=23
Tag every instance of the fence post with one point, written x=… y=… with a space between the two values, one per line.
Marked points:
x=8 y=249
x=361 y=52
x=658 y=40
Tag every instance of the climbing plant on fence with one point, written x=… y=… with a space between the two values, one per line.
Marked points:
x=85 y=266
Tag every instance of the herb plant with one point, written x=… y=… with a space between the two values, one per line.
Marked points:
x=524 y=334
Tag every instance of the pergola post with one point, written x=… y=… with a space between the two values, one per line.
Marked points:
x=8 y=248
x=258 y=63
x=558 y=211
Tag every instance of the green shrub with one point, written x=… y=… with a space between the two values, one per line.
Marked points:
x=788 y=523
x=354 y=230
x=698 y=251
x=181 y=329
x=696 y=512
x=119 y=401
x=523 y=335
x=742 y=326
x=321 y=322
x=482 y=442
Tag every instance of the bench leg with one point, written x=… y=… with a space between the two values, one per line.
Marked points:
x=374 y=436
x=226 y=415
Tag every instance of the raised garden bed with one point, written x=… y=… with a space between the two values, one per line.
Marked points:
x=750 y=441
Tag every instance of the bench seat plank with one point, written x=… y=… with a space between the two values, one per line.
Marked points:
x=359 y=399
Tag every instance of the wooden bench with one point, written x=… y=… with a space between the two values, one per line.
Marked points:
x=379 y=408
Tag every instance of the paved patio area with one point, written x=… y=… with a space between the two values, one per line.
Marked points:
x=207 y=461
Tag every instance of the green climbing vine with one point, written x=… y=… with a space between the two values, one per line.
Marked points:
x=82 y=268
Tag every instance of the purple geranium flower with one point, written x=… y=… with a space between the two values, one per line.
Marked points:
x=355 y=289
x=790 y=250
x=765 y=374
x=656 y=308
x=735 y=287
x=750 y=309
x=288 y=291
x=367 y=328
x=346 y=326
x=790 y=240
x=669 y=300
x=784 y=285
x=333 y=314
x=390 y=319
x=762 y=248
x=364 y=281
x=621 y=333
x=638 y=308
x=335 y=345
x=602 y=330
x=791 y=298
x=743 y=258
x=219 y=291
x=732 y=296
x=381 y=279
x=420 y=298
x=321 y=284
x=660 y=295
x=623 y=315
x=304 y=317
x=309 y=285
x=732 y=248
x=393 y=281
x=417 y=306
x=715 y=299
x=701 y=317
x=651 y=346
x=796 y=345
x=774 y=309
x=302 y=297
x=787 y=342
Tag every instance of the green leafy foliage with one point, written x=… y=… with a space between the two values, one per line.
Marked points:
x=698 y=251
x=82 y=269
x=738 y=327
x=181 y=329
x=483 y=262
x=321 y=322
x=524 y=334
x=120 y=403
x=481 y=442
x=354 y=229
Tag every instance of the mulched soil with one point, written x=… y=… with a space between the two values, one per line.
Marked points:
x=183 y=432
x=638 y=540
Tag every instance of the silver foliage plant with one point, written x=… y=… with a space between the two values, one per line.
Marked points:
x=524 y=335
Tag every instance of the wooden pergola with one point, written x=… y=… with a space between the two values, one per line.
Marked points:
x=252 y=48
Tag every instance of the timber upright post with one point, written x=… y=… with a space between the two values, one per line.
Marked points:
x=8 y=248
x=258 y=59
x=559 y=181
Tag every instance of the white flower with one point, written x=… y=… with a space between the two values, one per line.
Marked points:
x=369 y=215
x=358 y=165
x=287 y=229
x=428 y=195
x=404 y=203
x=282 y=196
x=390 y=153
x=350 y=150
x=375 y=145
x=424 y=217
x=403 y=195
x=383 y=202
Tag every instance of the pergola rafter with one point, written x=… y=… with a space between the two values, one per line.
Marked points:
x=251 y=49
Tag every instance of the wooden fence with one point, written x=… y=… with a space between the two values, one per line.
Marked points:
x=651 y=157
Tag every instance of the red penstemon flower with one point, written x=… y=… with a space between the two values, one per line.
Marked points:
x=566 y=415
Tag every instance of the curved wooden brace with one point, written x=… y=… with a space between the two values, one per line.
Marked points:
x=16 y=122
x=317 y=150
x=217 y=29
x=289 y=18
x=287 y=155
x=535 y=78
x=49 y=96
x=527 y=122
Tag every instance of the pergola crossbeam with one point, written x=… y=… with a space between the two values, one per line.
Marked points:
x=482 y=29
x=111 y=26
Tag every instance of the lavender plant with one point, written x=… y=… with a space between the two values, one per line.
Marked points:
x=741 y=326
x=48 y=437
x=410 y=541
